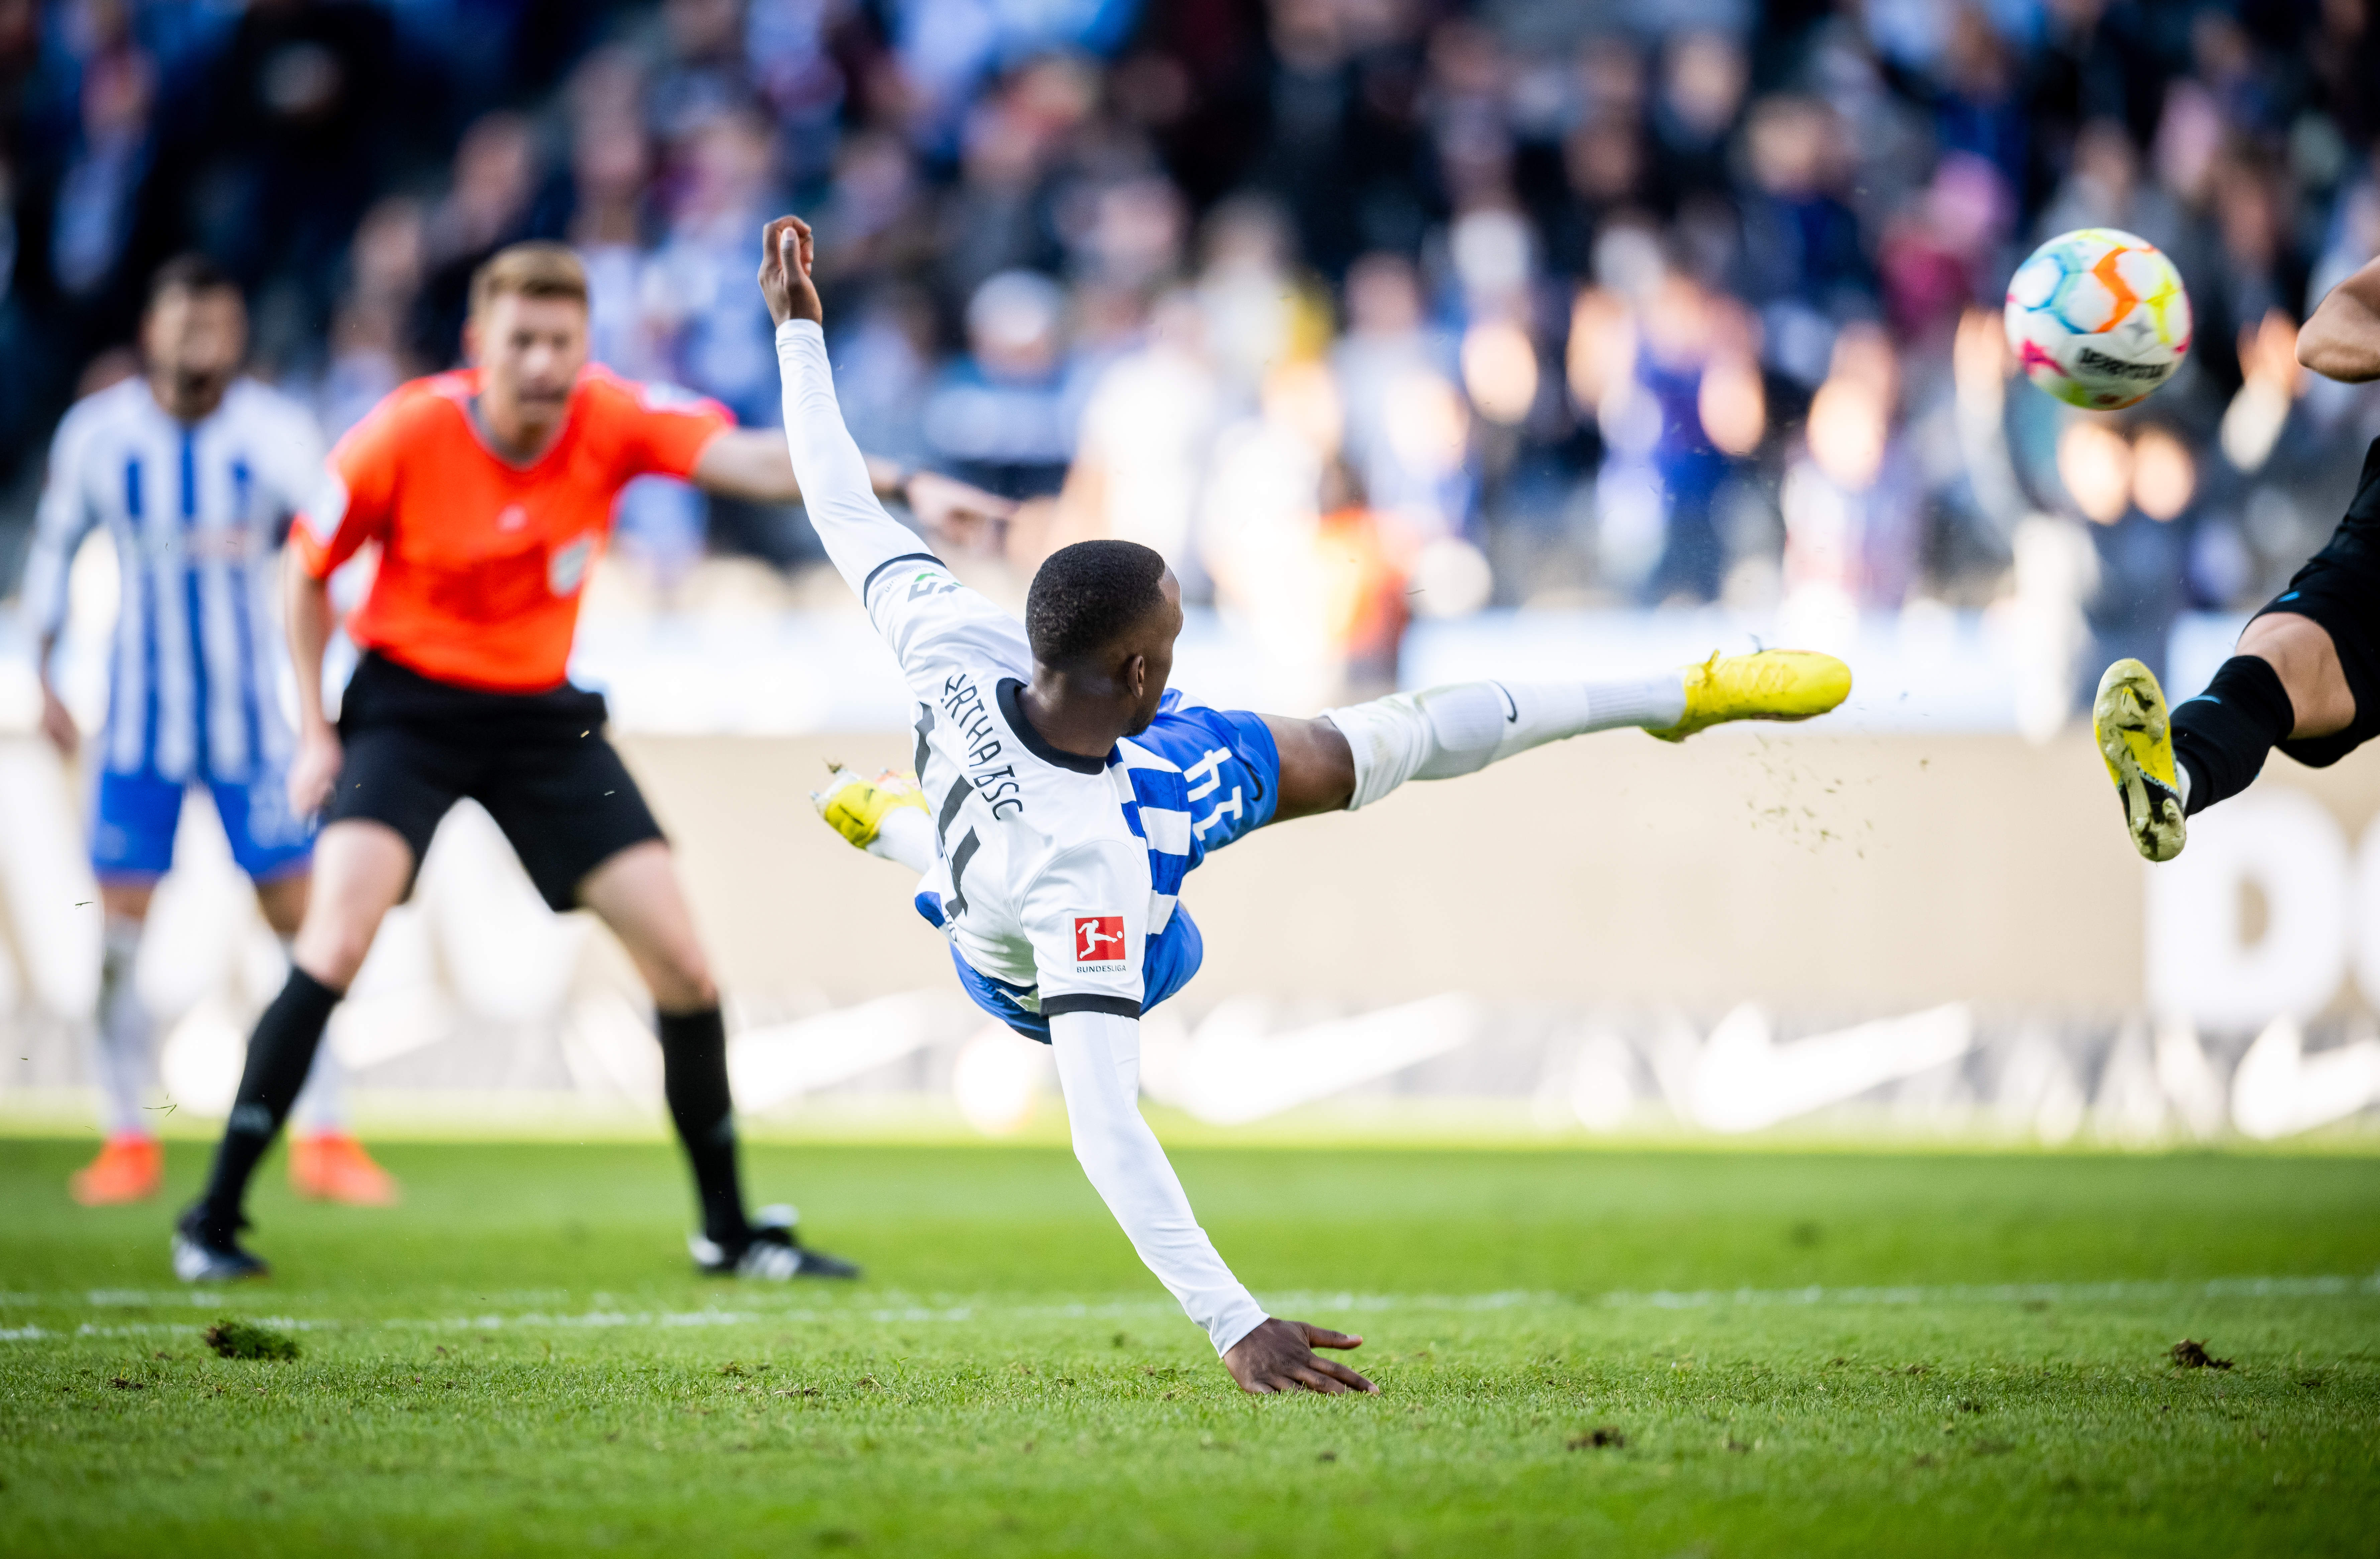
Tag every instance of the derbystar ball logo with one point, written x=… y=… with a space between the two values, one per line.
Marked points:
x=1098 y=943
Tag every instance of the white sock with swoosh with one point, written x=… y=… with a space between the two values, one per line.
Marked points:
x=1443 y=732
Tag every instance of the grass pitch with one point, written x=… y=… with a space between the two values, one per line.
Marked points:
x=1715 y=1353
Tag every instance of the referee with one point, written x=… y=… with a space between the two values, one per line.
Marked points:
x=488 y=493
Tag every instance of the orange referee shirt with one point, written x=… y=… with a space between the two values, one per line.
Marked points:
x=483 y=560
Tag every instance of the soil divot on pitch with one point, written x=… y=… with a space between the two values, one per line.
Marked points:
x=244 y=1339
x=2188 y=1354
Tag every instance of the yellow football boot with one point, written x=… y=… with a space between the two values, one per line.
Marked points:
x=1771 y=684
x=857 y=808
x=2136 y=737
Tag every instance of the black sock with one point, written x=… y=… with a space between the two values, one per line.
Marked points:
x=2222 y=735
x=694 y=1076
x=279 y=1054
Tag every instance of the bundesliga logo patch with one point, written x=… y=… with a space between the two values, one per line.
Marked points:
x=1099 y=944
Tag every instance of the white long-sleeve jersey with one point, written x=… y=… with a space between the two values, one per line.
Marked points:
x=196 y=511
x=1045 y=872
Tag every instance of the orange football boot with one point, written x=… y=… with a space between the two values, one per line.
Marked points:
x=332 y=1166
x=130 y=1168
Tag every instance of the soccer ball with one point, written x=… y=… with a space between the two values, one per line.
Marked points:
x=2098 y=318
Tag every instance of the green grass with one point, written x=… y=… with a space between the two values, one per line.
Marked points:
x=517 y=1361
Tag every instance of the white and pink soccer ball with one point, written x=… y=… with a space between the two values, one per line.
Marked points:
x=2098 y=318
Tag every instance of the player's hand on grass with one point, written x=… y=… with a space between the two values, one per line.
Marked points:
x=314 y=771
x=786 y=252
x=1279 y=1355
x=957 y=512
x=58 y=722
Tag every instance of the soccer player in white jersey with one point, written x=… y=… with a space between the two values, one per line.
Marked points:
x=194 y=472
x=1066 y=793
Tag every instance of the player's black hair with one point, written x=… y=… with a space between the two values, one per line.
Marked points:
x=191 y=272
x=1087 y=596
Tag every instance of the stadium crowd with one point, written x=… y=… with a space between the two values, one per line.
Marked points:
x=1341 y=304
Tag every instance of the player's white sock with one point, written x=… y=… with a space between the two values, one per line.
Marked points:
x=124 y=1057
x=321 y=1108
x=1446 y=731
x=905 y=835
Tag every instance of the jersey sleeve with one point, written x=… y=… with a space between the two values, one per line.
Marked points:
x=913 y=599
x=860 y=538
x=665 y=429
x=1099 y=1072
x=65 y=517
x=353 y=493
x=1087 y=914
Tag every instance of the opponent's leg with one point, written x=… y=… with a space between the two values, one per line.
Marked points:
x=637 y=893
x=2286 y=683
x=326 y=1162
x=1449 y=732
x=131 y=1162
x=361 y=869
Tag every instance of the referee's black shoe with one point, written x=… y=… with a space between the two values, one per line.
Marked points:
x=206 y=1250
x=773 y=1253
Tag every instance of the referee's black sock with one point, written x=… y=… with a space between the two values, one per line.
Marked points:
x=694 y=1076
x=2222 y=735
x=279 y=1054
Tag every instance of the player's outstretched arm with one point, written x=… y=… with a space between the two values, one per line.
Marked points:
x=752 y=464
x=1097 y=1055
x=834 y=476
x=2342 y=340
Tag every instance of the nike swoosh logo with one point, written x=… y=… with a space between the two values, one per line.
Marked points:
x=780 y=1062
x=2280 y=1090
x=1233 y=1071
x=1511 y=710
x=1744 y=1079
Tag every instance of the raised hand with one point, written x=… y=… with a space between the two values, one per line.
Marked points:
x=1279 y=1355
x=786 y=253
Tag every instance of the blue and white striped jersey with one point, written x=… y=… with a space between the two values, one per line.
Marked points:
x=1059 y=873
x=196 y=511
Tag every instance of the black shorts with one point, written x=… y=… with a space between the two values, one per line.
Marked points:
x=2339 y=588
x=538 y=762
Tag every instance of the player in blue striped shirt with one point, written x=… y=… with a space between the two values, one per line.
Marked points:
x=194 y=472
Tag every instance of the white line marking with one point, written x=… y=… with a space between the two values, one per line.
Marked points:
x=2328 y=1287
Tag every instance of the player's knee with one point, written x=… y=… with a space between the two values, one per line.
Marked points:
x=681 y=980
x=332 y=952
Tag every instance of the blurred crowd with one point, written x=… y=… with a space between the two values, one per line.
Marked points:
x=1353 y=308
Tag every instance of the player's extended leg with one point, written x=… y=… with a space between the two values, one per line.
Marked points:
x=361 y=870
x=131 y=1162
x=2286 y=683
x=1445 y=733
x=326 y=1162
x=1352 y=757
x=635 y=892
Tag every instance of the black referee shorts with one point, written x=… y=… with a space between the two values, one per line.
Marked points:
x=2339 y=588
x=538 y=762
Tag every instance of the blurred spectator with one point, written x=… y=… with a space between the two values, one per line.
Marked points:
x=295 y=128
x=487 y=206
x=1148 y=428
x=1849 y=499
x=1003 y=417
x=1806 y=265
x=92 y=218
